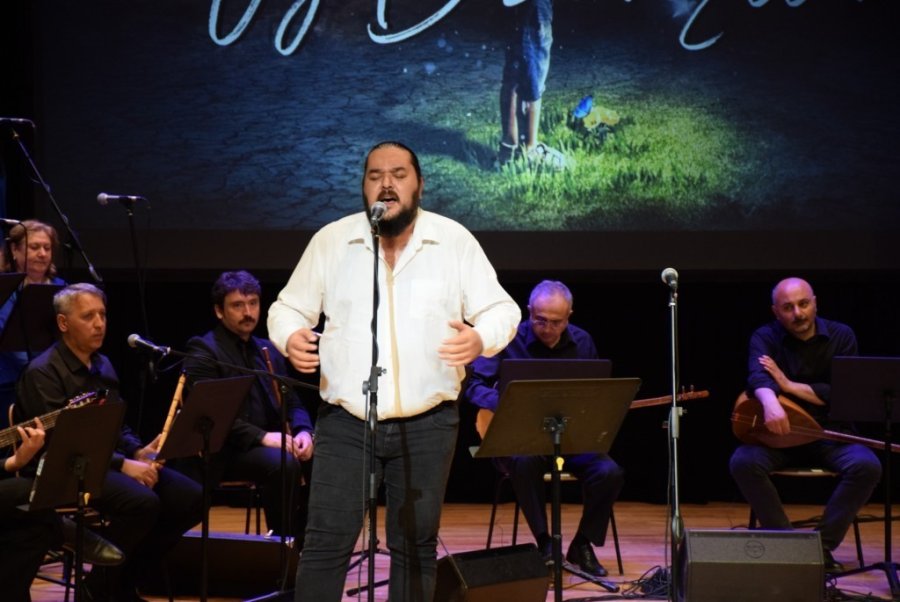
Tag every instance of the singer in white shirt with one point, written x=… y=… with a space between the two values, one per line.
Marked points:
x=440 y=307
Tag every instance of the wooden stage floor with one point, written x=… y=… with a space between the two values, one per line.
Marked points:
x=642 y=535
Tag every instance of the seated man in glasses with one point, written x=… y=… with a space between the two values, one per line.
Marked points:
x=547 y=334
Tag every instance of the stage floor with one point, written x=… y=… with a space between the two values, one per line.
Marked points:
x=642 y=535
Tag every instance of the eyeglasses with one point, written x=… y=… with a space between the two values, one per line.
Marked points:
x=543 y=322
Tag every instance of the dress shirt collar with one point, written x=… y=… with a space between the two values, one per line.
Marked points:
x=822 y=331
x=72 y=362
x=424 y=230
x=531 y=339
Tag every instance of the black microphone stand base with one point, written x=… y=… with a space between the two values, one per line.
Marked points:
x=890 y=572
x=574 y=570
x=285 y=596
x=362 y=557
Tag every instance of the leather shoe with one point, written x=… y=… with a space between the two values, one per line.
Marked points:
x=97 y=550
x=582 y=556
x=831 y=565
x=545 y=548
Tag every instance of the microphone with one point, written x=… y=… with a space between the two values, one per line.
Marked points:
x=126 y=199
x=17 y=121
x=135 y=341
x=377 y=211
x=9 y=222
x=670 y=277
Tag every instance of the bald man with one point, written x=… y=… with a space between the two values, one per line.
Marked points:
x=791 y=357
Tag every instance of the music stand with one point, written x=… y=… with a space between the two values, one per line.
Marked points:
x=556 y=417
x=201 y=428
x=75 y=466
x=514 y=368
x=31 y=325
x=866 y=389
x=9 y=282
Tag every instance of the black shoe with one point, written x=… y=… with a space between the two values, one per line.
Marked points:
x=582 y=556
x=831 y=565
x=545 y=547
x=97 y=550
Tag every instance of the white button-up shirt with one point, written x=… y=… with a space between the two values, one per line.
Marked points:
x=441 y=275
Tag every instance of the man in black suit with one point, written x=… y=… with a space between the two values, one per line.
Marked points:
x=252 y=450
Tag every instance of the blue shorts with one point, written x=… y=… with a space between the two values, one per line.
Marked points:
x=528 y=52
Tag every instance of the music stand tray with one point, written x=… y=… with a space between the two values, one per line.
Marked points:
x=595 y=409
x=32 y=323
x=515 y=368
x=859 y=386
x=214 y=402
x=89 y=432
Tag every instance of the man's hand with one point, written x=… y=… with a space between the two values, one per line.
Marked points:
x=800 y=390
x=774 y=416
x=462 y=348
x=302 y=350
x=144 y=473
x=775 y=372
x=32 y=442
x=274 y=440
x=148 y=453
x=303 y=446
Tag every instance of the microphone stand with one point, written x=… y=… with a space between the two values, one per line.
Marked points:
x=284 y=382
x=149 y=369
x=370 y=388
x=676 y=525
x=76 y=243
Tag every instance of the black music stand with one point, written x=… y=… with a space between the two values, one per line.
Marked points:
x=201 y=428
x=866 y=389
x=32 y=323
x=75 y=466
x=9 y=282
x=556 y=417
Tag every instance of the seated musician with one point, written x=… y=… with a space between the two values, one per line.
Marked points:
x=32 y=245
x=547 y=334
x=147 y=507
x=791 y=356
x=252 y=451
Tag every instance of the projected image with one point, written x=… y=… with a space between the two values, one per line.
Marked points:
x=527 y=115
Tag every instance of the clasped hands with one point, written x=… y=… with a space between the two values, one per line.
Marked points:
x=299 y=446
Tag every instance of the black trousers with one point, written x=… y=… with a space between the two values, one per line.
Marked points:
x=144 y=523
x=25 y=538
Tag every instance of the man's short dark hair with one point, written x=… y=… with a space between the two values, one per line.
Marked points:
x=393 y=143
x=229 y=282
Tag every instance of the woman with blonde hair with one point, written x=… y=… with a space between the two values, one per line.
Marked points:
x=30 y=248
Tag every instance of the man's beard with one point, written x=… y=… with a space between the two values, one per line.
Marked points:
x=389 y=228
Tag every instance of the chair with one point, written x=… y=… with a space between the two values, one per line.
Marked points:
x=810 y=473
x=565 y=477
x=254 y=501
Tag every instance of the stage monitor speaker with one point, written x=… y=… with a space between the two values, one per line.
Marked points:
x=752 y=565
x=239 y=566
x=493 y=575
